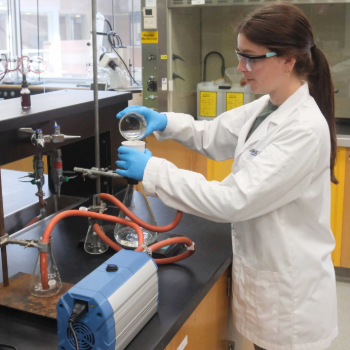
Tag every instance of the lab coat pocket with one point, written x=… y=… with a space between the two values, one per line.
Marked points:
x=238 y=290
x=267 y=287
x=255 y=296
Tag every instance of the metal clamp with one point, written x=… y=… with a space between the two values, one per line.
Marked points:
x=94 y=172
x=146 y=249
x=26 y=243
x=38 y=139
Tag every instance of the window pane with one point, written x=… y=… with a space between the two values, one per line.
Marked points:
x=3 y=27
x=64 y=34
x=64 y=38
x=3 y=34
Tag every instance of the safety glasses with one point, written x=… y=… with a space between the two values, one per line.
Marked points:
x=251 y=63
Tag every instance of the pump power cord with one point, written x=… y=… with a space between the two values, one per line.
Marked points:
x=79 y=308
x=74 y=335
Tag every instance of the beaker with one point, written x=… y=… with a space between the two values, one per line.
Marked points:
x=137 y=202
x=54 y=278
x=133 y=126
x=93 y=243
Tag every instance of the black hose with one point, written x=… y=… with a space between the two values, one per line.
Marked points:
x=205 y=64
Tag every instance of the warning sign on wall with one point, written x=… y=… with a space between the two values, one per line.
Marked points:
x=234 y=100
x=207 y=104
x=149 y=37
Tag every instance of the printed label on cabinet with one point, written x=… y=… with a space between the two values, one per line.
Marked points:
x=149 y=37
x=234 y=100
x=207 y=104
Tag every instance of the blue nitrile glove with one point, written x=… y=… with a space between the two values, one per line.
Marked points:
x=133 y=161
x=155 y=121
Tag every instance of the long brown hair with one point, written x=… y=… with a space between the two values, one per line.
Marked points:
x=284 y=29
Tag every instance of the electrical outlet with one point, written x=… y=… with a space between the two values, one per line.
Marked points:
x=231 y=345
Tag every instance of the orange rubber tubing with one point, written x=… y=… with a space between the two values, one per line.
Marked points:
x=153 y=247
x=137 y=220
x=135 y=225
x=89 y=214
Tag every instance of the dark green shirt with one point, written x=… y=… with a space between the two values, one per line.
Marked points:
x=261 y=117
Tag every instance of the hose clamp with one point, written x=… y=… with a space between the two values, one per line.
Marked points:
x=192 y=247
x=146 y=249
x=42 y=247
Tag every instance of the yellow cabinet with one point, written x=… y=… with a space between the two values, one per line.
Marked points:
x=25 y=164
x=345 y=239
x=337 y=204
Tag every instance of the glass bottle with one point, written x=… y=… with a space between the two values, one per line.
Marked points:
x=55 y=283
x=25 y=94
x=137 y=202
x=93 y=243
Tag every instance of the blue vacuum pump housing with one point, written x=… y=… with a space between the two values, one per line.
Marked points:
x=122 y=296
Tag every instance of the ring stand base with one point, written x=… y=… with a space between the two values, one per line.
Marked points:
x=17 y=296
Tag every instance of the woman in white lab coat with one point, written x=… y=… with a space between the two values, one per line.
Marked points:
x=278 y=192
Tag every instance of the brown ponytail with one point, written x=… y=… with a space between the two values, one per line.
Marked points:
x=322 y=90
x=284 y=29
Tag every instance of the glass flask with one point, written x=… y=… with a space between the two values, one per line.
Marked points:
x=137 y=202
x=55 y=283
x=133 y=126
x=93 y=243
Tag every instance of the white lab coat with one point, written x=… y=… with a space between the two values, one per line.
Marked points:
x=278 y=198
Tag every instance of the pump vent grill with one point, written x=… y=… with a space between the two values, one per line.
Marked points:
x=85 y=336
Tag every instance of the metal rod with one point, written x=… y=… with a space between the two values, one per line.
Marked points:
x=5 y=272
x=87 y=172
x=97 y=126
x=133 y=41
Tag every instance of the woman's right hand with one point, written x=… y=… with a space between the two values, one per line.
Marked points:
x=155 y=121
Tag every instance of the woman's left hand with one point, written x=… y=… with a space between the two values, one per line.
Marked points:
x=133 y=161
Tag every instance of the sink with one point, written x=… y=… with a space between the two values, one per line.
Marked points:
x=16 y=221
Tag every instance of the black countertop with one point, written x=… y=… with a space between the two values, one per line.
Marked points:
x=182 y=286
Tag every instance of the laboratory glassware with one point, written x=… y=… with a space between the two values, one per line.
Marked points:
x=133 y=126
x=137 y=202
x=54 y=278
x=93 y=243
